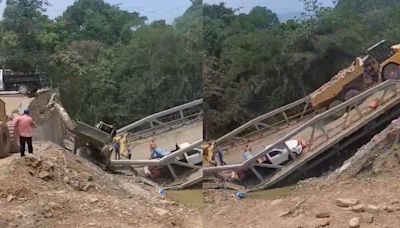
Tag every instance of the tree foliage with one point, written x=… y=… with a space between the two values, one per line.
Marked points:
x=255 y=63
x=108 y=63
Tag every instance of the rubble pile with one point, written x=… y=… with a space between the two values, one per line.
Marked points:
x=52 y=170
x=380 y=155
x=54 y=188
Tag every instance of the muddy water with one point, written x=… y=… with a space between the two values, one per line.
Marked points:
x=194 y=197
x=270 y=194
x=189 y=197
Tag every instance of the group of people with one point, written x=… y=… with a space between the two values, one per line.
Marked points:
x=129 y=150
x=219 y=155
x=23 y=131
x=117 y=150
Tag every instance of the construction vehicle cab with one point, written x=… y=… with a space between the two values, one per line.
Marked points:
x=95 y=141
x=106 y=128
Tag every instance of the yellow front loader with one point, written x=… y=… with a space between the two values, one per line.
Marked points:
x=382 y=59
x=208 y=153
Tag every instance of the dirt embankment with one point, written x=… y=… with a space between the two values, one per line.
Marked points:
x=364 y=191
x=57 y=189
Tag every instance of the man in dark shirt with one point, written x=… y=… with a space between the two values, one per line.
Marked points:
x=220 y=155
x=116 y=149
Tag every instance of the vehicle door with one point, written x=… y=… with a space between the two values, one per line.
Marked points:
x=276 y=157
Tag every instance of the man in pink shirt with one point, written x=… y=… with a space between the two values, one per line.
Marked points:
x=24 y=125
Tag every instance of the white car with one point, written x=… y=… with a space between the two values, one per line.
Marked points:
x=278 y=156
x=194 y=156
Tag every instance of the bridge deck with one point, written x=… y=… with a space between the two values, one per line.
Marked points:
x=234 y=154
x=187 y=133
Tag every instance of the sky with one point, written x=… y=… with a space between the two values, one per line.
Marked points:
x=170 y=9
x=277 y=6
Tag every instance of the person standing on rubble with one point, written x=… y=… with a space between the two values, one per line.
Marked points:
x=24 y=125
x=220 y=156
x=116 y=149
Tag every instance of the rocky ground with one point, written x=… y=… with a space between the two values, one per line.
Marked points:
x=56 y=189
x=364 y=192
x=368 y=202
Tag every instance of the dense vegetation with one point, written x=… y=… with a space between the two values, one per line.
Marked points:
x=255 y=63
x=109 y=64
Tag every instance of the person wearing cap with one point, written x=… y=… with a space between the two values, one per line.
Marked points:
x=24 y=126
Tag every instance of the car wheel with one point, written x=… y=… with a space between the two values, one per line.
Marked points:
x=391 y=71
x=350 y=94
x=23 y=89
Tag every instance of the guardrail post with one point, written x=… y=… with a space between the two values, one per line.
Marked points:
x=347 y=116
x=286 y=117
x=305 y=109
x=311 y=138
x=181 y=113
x=383 y=95
x=359 y=112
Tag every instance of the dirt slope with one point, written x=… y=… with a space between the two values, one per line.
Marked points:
x=56 y=189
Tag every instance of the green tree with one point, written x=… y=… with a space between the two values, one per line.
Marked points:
x=97 y=20
x=23 y=21
x=159 y=71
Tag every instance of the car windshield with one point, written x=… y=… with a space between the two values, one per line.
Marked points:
x=274 y=153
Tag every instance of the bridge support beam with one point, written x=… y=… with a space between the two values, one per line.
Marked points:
x=259 y=176
x=172 y=171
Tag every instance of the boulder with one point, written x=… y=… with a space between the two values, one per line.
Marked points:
x=358 y=208
x=354 y=222
x=372 y=209
x=324 y=214
x=346 y=202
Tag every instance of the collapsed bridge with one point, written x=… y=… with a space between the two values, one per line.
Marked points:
x=54 y=124
x=325 y=135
